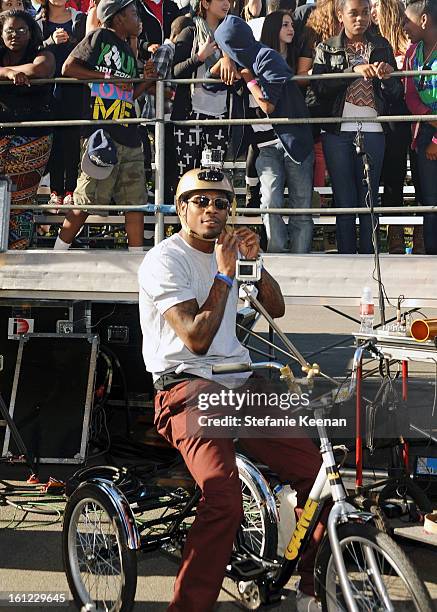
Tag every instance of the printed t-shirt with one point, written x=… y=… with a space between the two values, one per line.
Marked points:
x=104 y=51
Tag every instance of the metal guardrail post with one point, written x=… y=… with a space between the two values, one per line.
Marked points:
x=159 y=160
x=5 y=212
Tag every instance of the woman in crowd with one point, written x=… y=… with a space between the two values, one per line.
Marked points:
x=62 y=29
x=354 y=50
x=196 y=55
x=322 y=23
x=421 y=97
x=286 y=153
x=274 y=166
x=278 y=33
x=24 y=153
x=388 y=16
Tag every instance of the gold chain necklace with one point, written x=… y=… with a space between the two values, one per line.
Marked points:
x=429 y=54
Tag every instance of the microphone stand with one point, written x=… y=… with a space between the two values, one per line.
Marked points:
x=361 y=151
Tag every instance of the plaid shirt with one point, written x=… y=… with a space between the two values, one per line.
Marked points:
x=163 y=62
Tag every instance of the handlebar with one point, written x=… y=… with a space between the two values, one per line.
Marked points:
x=234 y=368
x=338 y=395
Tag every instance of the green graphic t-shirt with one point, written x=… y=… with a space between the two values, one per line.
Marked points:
x=104 y=51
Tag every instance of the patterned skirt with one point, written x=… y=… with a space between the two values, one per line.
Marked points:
x=23 y=159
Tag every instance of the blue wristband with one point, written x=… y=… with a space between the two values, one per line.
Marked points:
x=226 y=279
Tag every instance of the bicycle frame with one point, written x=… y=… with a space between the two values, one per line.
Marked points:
x=342 y=511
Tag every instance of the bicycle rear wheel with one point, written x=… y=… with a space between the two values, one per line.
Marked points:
x=380 y=575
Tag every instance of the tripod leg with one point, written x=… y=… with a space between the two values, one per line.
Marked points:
x=16 y=436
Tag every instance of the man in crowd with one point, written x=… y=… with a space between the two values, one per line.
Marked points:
x=156 y=18
x=112 y=159
x=188 y=304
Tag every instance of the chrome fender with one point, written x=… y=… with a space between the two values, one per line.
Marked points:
x=249 y=469
x=121 y=507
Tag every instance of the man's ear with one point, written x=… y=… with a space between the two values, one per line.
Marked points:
x=423 y=21
x=181 y=207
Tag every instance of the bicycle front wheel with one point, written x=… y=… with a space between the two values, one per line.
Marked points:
x=379 y=573
x=101 y=570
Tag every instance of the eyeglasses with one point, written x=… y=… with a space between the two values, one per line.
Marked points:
x=421 y=86
x=204 y=201
x=12 y=31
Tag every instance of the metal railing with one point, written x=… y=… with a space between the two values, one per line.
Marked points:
x=159 y=121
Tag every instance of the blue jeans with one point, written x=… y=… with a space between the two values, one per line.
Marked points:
x=428 y=185
x=345 y=168
x=275 y=168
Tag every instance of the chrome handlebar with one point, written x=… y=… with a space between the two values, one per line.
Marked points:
x=338 y=395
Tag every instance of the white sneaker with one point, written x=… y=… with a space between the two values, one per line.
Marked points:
x=55 y=200
x=307 y=603
x=68 y=199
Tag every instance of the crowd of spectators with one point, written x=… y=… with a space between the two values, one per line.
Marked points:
x=252 y=57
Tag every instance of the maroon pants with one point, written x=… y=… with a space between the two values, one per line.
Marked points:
x=212 y=464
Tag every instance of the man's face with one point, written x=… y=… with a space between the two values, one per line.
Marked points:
x=130 y=20
x=412 y=25
x=206 y=221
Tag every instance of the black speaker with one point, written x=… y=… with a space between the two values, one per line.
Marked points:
x=52 y=396
x=118 y=326
x=42 y=318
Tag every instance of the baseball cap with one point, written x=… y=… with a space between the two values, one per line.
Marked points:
x=100 y=156
x=108 y=8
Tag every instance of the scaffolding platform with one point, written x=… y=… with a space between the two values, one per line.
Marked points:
x=315 y=279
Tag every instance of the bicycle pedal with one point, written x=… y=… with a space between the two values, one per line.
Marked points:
x=246 y=569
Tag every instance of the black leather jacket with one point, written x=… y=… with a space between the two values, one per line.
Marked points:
x=329 y=95
x=152 y=31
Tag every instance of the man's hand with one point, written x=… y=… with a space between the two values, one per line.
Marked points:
x=18 y=78
x=248 y=243
x=226 y=253
x=431 y=151
x=149 y=71
x=228 y=71
x=60 y=36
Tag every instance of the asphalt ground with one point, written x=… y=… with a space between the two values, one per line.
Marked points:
x=30 y=545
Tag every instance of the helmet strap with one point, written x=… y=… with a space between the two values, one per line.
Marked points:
x=191 y=232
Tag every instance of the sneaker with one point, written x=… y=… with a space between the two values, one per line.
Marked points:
x=418 y=243
x=395 y=239
x=55 y=200
x=307 y=603
x=68 y=198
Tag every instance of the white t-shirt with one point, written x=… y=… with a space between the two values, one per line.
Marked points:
x=174 y=272
x=352 y=110
x=256 y=25
x=211 y=103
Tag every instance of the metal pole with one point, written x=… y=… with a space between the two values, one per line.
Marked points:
x=159 y=161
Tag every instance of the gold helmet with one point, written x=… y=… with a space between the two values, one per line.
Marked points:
x=203 y=179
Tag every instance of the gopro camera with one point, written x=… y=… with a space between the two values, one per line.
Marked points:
x=248 y=270
x=212 y=158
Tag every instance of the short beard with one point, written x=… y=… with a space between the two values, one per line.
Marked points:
x=211 y=234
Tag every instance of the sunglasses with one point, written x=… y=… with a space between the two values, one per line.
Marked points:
x=421 y=86
x=12 y=31
x=204 y=201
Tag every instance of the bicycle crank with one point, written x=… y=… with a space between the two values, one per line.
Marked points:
x=249 y=594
